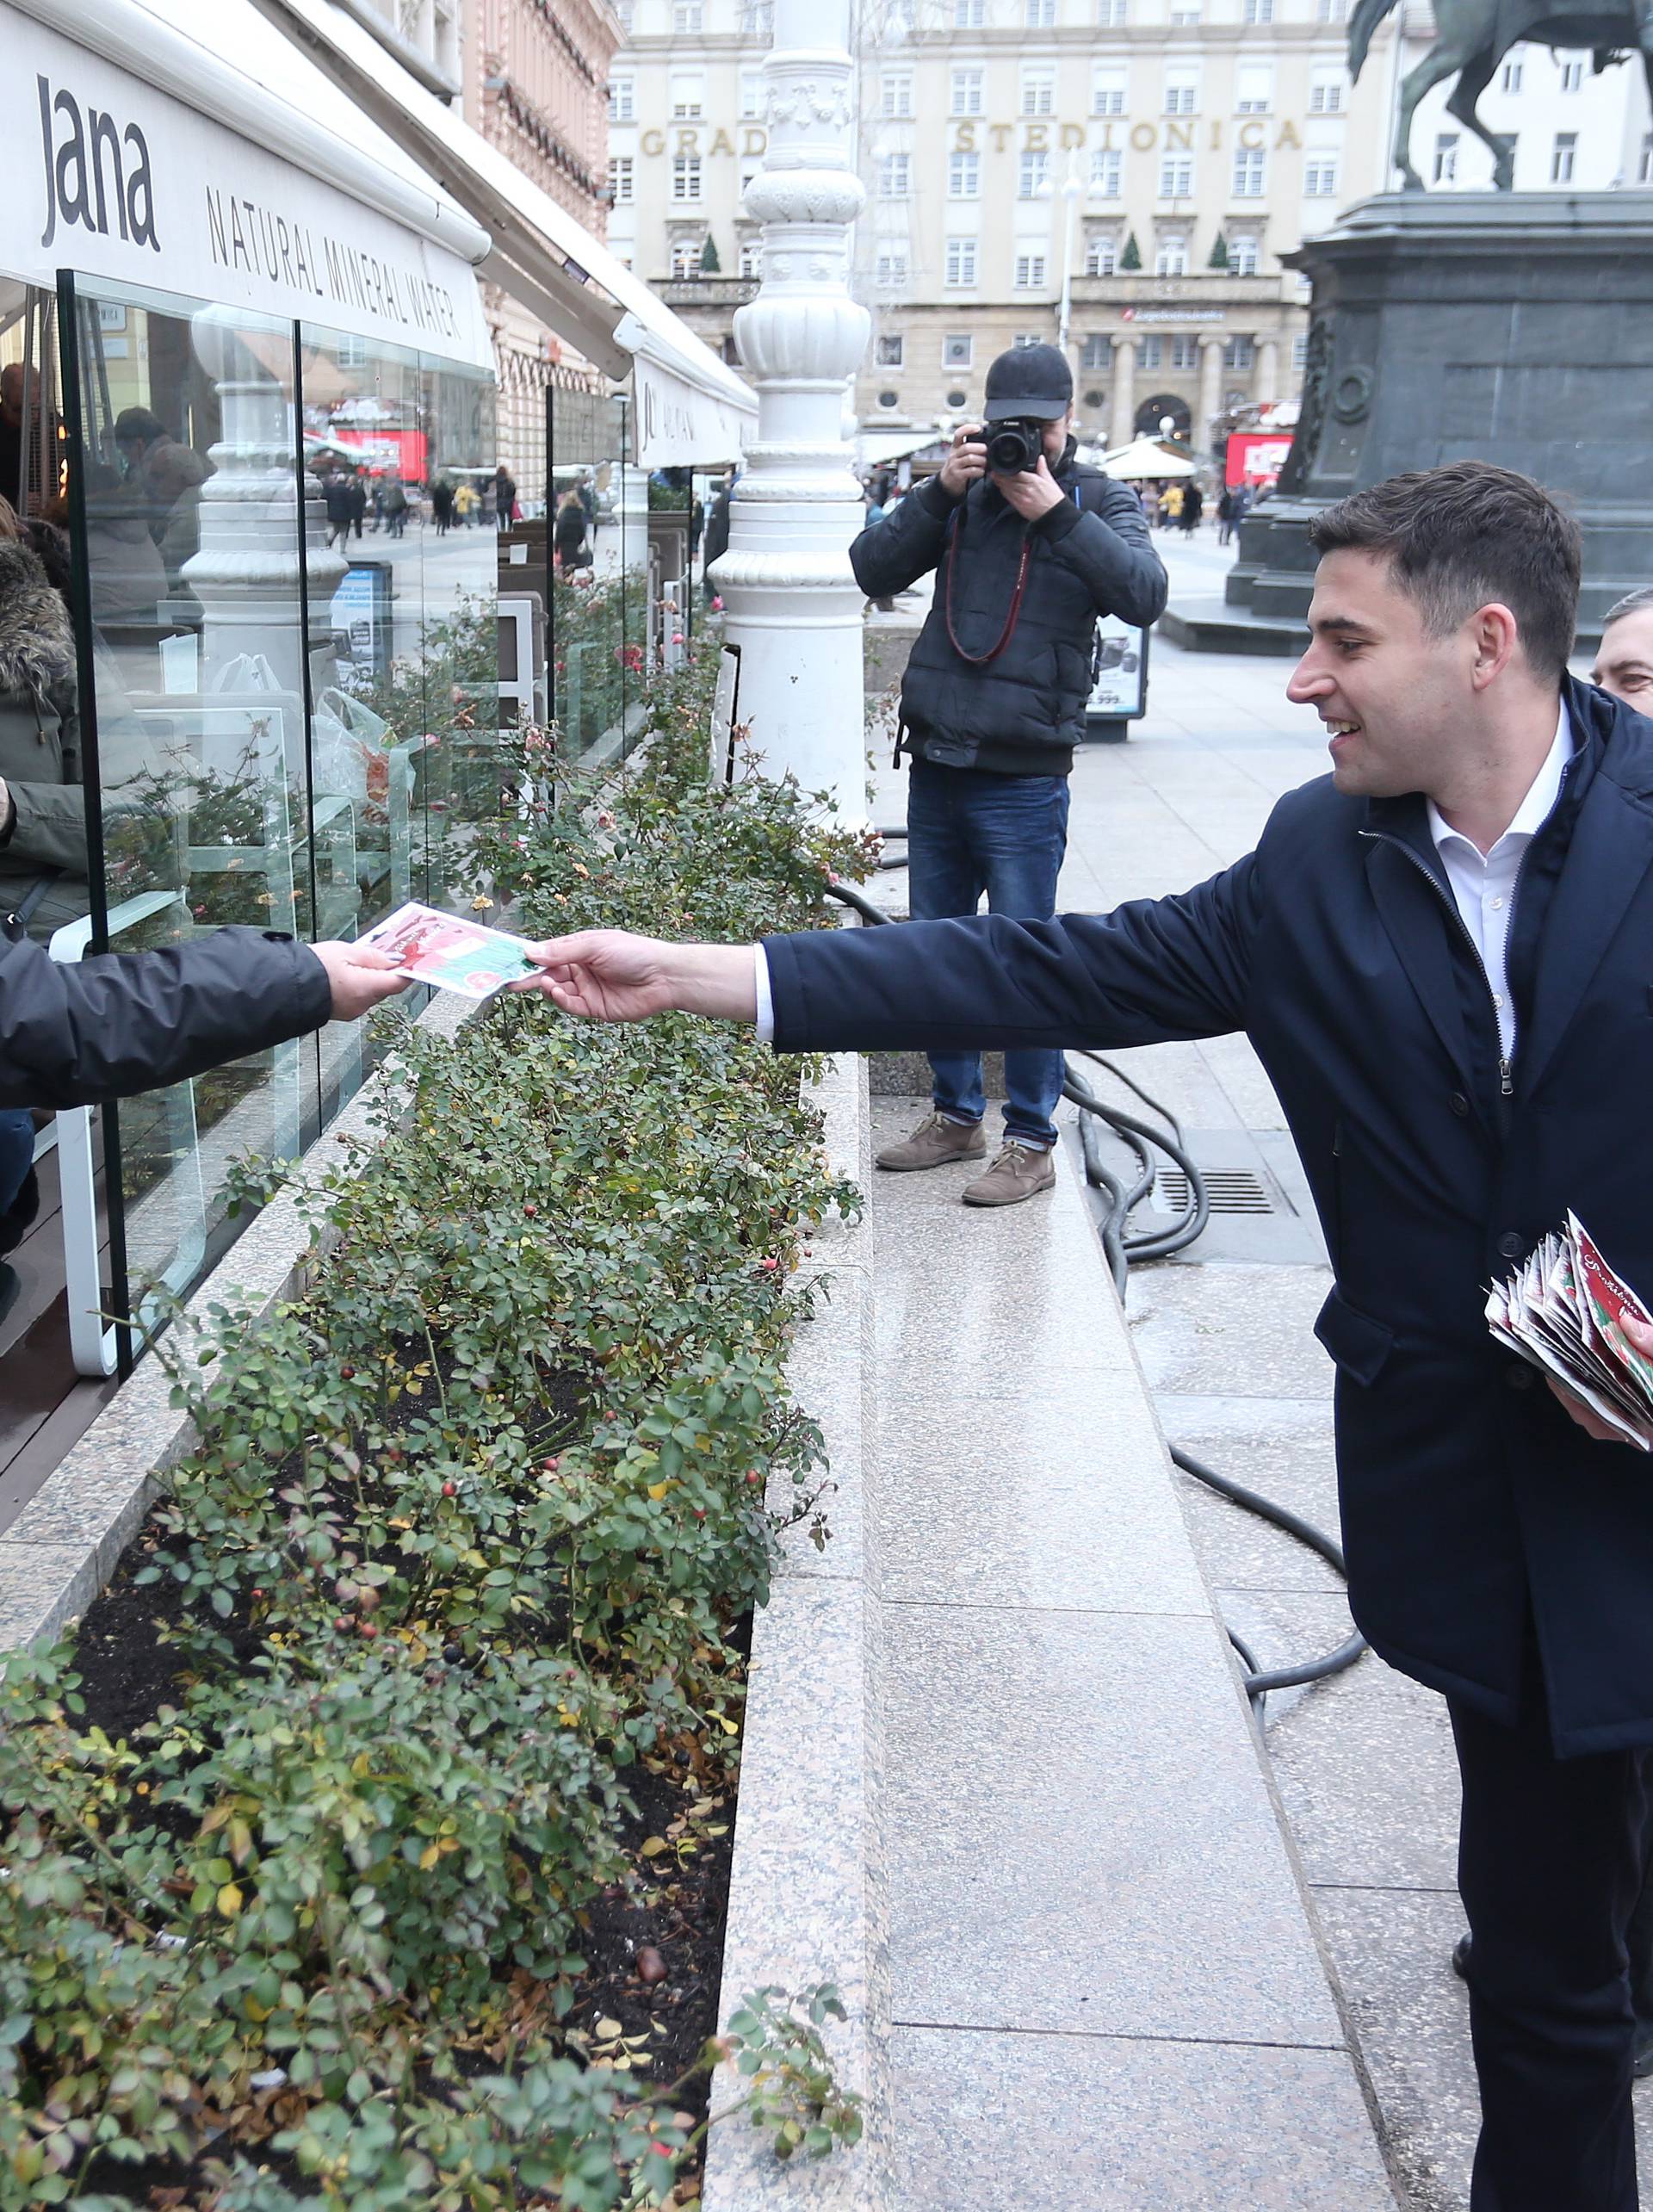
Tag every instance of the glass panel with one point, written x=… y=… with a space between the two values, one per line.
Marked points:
x=187 y=487
x=603 y=530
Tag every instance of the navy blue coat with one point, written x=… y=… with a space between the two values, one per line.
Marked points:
x=1334 y=946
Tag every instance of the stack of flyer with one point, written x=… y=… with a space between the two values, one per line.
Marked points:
x=449 y=952
x=1562 y=1310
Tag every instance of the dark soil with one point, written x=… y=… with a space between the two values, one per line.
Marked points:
x=674 y=1903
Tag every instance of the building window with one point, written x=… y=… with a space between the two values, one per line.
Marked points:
x=1098 y=351
x=752 y=95
x=622 y=9
x=758 y=19
x=895 y=88
x=1182 y=91
x=685 y=16
x=969 y=15
x=963 y=176
x=961 y=264
x=892 y=176
x=1319 y=177
x=1038 y=91
x=1239 y=353
x=1253 y=88
x=1331 y=11
x=685 y=258
x=1184 y=353
x=1243 y=256
x=1107 y=92
x=1111 y=15
x=1300 y=352
x=1150 y=353
x=890 y=270
x=1023 y=340
x=1033 y=173
x=957 y=351
x=623 y=95
x=687 y=98
x=890 y=399
x=751 y=258
x=1259 y=11
x=1029 y=272
x=1184 y=19
x=1445 y=167
x=1326 y=93
x=967 y=92
x=1572 y=74
x=1250 y=169
x=750 y=172
x=1562 y=155
x=685 y=177
x=1107 y=172
x=1101 y=257
x=1039 y=14
x=887 y=351
x=620 y=180
x=1644 y=166
x=1510 y=78
x=1170 y=257
x=1176 y=177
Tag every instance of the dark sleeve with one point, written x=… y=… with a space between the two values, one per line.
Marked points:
x=79 y=1033
x=1157 y=968
x=889 y=556
x=1112 y=549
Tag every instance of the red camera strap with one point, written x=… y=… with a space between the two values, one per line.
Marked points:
x=981 y=660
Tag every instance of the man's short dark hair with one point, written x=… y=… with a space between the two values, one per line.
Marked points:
x=1631 y=604
x=135 y=424
x=1460 y=537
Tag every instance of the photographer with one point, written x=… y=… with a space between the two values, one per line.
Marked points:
x=1029 y=548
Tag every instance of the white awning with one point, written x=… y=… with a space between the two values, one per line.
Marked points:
x=242 y=176
x=874 y=447
x=691 y=406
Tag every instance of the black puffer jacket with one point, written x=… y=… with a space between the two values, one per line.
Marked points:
x=1023 y=713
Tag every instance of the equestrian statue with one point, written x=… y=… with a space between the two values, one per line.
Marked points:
x=1473 y=36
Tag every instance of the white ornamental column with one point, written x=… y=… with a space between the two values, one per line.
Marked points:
x=792 y=605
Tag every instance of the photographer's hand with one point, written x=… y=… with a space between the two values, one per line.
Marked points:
x=1032 y=492
x=967 y=463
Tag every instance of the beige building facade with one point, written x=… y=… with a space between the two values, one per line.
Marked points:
x=1120 y=177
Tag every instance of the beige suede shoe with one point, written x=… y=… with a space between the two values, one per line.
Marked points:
x=1017 y=1173
x=936 y=1142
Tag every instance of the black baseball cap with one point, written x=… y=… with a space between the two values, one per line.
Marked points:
x=1034 y=381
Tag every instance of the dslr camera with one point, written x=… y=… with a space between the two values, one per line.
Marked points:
x=1014 y=446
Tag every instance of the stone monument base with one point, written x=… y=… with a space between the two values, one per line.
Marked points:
x=1515 y=327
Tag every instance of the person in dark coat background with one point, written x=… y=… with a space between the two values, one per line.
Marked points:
x=993 y=703
x=1442 y=954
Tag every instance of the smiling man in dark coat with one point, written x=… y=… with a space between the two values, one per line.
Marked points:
x=1443 y=953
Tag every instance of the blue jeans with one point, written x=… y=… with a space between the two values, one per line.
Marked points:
x=969 y=832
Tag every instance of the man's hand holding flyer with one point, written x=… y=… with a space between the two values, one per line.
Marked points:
x=450 y=953
x=1564 y=1310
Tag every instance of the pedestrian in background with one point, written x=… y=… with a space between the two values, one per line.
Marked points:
x=993 y=702
x=441 y=506
x=1193 y=505
x=1171 y=507
x=568 y=535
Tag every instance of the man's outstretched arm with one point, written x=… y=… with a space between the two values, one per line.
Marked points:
x=1157 y=968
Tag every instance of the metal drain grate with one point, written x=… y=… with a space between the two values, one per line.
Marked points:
x=1231 y=1190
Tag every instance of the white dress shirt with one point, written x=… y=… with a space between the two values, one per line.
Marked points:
x=1484 y=884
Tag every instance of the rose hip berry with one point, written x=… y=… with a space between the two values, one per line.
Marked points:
x=451 y=1490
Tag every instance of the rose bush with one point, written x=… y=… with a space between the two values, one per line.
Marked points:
x=463 y=1547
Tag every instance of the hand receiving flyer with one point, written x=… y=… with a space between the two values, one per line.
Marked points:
x=1562 y=1310
x=449 y=952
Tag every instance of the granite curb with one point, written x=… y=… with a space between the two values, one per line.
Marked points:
x=808 y=1890
x=65 y=1545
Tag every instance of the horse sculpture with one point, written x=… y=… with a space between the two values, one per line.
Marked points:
x=1473 y=36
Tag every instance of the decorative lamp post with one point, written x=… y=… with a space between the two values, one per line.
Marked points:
x=794 y=607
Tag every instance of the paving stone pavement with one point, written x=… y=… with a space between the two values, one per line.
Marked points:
x=1362 y=1763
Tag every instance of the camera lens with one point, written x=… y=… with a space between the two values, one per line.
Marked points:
x=1014 y=448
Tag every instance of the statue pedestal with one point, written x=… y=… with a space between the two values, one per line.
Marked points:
x=1504 y=326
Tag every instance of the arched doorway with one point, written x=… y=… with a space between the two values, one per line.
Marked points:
x=1152 y=412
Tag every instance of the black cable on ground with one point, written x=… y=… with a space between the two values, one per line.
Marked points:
x=1120 y=1248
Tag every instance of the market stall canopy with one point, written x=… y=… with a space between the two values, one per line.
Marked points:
x=244 y=176
x=691 y=406
x=873 y=448
x=1144 y=459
